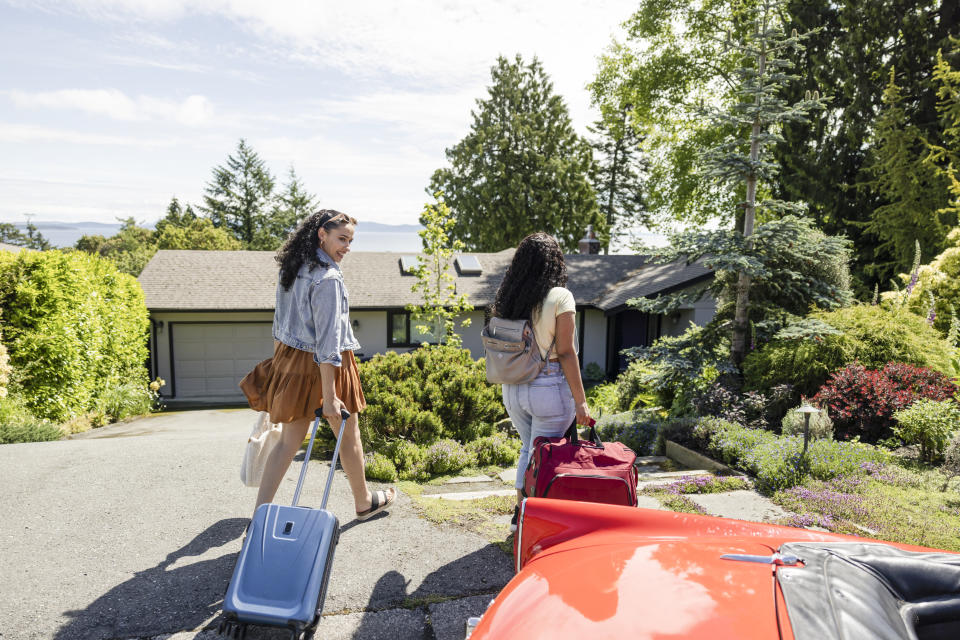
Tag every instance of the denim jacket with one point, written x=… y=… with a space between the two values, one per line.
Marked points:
x=314 y=315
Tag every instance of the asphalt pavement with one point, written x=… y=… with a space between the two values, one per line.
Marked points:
x=132 y=531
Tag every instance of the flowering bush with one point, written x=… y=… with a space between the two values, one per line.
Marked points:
x=446 y=456
x=777 y=462
x=868 y=334
x=862 y=401
x=381 y=468
x=497 y=449
x=928 y=423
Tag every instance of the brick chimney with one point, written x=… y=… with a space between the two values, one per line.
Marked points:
x=589 y=244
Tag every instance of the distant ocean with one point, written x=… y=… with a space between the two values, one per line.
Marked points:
x=371 y=236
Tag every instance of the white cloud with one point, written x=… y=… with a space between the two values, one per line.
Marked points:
x=26 y=133
x=113 y=103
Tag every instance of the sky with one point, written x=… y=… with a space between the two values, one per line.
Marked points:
x=108 y=108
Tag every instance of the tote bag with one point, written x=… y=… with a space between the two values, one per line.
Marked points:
x=264 y=437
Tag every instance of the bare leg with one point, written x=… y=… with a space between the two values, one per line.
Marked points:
x=519 y=497
x=280 y=459
x=351 y=457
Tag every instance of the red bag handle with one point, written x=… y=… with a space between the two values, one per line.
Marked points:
x=574 y=437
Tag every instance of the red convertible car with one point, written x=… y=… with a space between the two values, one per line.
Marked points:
x=594 y=571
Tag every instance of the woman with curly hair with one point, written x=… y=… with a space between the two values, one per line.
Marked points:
x=313 y=363
x=534 y=289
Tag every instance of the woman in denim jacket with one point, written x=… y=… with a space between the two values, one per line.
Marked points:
x=313 y=363
x=534 y=289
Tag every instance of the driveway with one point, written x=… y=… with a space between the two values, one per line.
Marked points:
x=131 y=531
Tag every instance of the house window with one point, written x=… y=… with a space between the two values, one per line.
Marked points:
x=403 y=332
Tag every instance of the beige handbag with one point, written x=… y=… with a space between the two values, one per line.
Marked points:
x=264 y=437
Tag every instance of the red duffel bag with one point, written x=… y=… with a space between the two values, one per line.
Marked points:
x=569 y=468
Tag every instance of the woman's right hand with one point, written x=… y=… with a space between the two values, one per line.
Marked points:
x=583 y=414
x=331 y=410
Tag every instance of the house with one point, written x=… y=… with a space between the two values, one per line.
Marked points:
x=211 y=311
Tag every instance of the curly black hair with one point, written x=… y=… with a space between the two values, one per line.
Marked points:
x=301 y=245
x=536 y=268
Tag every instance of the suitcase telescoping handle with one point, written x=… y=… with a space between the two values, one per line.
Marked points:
x=333 y=464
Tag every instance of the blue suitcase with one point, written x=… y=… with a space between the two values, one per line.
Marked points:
x=281 y=575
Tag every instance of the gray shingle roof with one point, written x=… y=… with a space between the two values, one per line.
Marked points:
x=246 y=280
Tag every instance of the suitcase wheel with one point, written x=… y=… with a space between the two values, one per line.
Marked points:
x=232 y=630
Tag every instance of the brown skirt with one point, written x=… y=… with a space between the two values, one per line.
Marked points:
x=288 y=385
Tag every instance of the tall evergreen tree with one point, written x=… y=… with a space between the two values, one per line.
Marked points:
x=240 y=194
x=915 y=193
x=521 y=169
x=617 y=179
x=291 y=206
x=829 y=165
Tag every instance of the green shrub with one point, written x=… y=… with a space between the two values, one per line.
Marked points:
x=636 y=429
x=821 y=426
x=498 y=449
x=17 y=424
x=125 y=400
x=446 y=456
x=5 y=369
x=633 y=387
x=928 y=423
x=381 y=468
x=604 y=398
x=827 y=459
x=74 y=326
x=406 y=456
x=431 y=393
x=871 y=335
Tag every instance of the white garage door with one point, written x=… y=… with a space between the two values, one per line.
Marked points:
x=210 y=359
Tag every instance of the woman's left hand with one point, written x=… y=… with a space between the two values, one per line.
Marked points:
x=583 y=414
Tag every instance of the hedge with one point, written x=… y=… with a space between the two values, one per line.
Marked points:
x=75 y=328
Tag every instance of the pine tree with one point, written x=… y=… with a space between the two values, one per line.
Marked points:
x=916 y=194
x=290 y=207
x=617 y=179
x=177 y=216
x=521 y=169
x=239 y=195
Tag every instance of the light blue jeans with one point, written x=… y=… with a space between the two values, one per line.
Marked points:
x=542 y=407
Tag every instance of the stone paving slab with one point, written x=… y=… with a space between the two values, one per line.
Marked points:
x=669 y=475
x=647 y=502
x=467 y=479
x=645 y=460
x=509 y=476
x=473 y=495
x=741 y=505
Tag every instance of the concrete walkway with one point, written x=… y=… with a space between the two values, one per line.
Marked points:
x=132 y=531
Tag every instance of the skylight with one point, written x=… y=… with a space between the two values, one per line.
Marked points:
x=468 y=265
x=407 y=263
